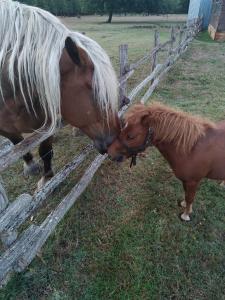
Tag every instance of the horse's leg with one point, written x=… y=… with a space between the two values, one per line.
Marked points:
x=46 y=154
x=30 y=167
x=190 y=188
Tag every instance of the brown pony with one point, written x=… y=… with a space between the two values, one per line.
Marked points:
x=194 y=147
x=47 y=73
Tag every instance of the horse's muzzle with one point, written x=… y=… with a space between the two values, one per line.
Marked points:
x=102 y=144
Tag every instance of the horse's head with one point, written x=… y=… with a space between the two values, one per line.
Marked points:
x=89 y=91
x=135 y=135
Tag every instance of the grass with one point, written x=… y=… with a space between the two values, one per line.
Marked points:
x=123 y=239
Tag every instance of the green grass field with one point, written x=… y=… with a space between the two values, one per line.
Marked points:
x=123 y=238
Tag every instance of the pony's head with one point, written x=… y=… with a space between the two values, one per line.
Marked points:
x=134 y=136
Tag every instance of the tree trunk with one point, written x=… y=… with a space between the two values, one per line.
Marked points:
x=110 y=17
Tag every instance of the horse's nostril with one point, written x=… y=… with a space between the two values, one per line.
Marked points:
x=102 y=151
x=101 y=146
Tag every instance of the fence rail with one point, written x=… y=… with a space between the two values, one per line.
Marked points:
x=21 y=249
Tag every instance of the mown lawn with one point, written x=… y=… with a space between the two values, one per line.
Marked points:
x=123 y=238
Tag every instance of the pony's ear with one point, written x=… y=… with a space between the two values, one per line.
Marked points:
x=72 y=50
x=145 y=118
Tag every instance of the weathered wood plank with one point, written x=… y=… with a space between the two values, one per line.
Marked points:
x=15 y=211
x=160 y=47
x=8 y=238
x=22 y=208
x=11 y=156
x=155 y=55
x=9 y=260
x=50 y=223
x=126 y=77
x=3 y=197
x=165 y=68
x=20 y=254
x=148 y=79
x=123 y=52
x=5 y=145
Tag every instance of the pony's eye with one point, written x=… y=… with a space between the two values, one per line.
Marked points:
x=130 y=137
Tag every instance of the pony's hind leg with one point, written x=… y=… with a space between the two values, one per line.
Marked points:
x=222 y=184
x=46 y=154
x=190 y=188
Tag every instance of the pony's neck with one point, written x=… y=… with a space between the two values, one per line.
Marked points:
x=177 y=129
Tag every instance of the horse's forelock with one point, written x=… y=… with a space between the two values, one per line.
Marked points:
x=104 y=82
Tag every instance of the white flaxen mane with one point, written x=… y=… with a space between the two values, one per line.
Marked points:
x=32 y=40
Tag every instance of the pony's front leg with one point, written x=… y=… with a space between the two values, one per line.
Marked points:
x=46 y=154
x=190 y=188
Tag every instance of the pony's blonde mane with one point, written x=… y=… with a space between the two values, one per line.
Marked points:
x=171 y=125
x=32 y=41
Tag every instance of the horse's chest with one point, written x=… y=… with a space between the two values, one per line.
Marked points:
x=15 y=118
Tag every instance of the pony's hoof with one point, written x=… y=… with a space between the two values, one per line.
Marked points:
x=185 y=217
x=222 y=184
x=32 y=168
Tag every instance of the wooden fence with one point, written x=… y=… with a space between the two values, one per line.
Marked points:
x=20 y=249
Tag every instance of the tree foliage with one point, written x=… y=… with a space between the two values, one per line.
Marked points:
x=110 y=7
x=57 y=7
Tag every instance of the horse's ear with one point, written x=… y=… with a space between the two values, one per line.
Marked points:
x=72 y=50
x=122 y=122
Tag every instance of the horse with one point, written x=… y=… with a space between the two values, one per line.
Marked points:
x=49 y=73
x=193 y=146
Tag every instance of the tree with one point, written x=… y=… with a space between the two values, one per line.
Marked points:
x=57 y=7
x=107 y=6
x=74 y=7
x=184 y=5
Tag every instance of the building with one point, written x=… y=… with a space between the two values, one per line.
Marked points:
x=217 y=21
x=200 y=8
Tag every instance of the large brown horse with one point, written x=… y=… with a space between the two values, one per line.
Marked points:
x=47 y=73
x=193 y=146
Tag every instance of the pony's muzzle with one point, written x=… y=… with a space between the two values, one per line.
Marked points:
x=118 y=158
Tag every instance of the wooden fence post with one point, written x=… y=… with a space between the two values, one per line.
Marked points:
x=181 y=36
x=180 y=39
x=7 y=237
x=173 y=39
x=123 y=51
x=155 y=55
x=3 y=197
